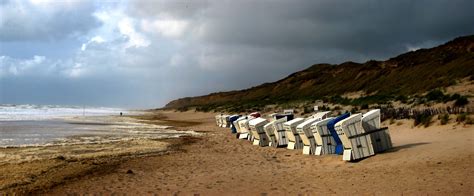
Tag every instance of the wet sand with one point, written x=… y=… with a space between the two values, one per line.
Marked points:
x=434 y=160
x=38 y=167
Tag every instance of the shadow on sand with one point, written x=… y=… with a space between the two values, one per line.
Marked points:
x=397 y=148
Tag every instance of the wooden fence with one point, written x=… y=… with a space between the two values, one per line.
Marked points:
x=408 y=113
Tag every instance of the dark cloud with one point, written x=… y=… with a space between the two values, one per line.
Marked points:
x=48 y=21
x=245 y=43
x=368 y=27
x=171 y=49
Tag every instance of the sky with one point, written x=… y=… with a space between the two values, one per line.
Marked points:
x=144 y=53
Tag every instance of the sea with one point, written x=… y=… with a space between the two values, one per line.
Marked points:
x=45 y=125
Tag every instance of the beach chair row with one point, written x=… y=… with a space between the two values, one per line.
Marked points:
x=355 y=136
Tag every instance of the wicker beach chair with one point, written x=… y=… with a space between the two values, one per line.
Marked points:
x=257 y=128
x=380 y=137
x=276 y=133
x=325 y=143
x=356 y=141
x=232 y=119
x=339 y=148
x=218 y=120
x=244 y=128
x=294 y=140
x=306 y=135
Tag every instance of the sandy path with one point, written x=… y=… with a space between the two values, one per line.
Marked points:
x=434 y=160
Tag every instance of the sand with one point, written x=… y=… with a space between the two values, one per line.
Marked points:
x=435 y=160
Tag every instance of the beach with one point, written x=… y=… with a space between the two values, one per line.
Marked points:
x=434 y=160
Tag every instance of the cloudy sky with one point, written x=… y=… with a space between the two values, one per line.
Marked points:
x=141 y=54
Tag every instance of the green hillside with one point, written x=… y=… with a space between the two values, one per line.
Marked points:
x=407 y=74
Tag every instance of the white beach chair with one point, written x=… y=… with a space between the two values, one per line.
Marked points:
x=294 y=140
x=320 y=115
x=225 y=121
x=276 y=133
x=361 y=147
x=237 y=126
x=303 y=130
x=325 y=143
x=381 y=140
x=221 y=120
x=218 y=120
x=280 y=132
x=270 y=131
x=256 y=127
x=371 y=120
x=357 y=144
x=244 y=128
x=272 y=115
x=306 y=135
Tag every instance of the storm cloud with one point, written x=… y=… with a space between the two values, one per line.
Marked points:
x=145 y=53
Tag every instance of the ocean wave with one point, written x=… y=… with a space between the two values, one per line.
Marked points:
x=12 y=112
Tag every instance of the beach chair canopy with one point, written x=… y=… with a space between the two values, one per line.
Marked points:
x=287 y=116
x=321 y=115
x=371 y=120
x=350 y=126
x=278 y=124
x=269 y=128
x=258 y=122
x=255 y=114
x=330 y=125
x=320 y=127
x=306 y=125
x=293 y=123
x=232 y=119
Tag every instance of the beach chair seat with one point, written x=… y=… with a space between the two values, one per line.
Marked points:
x=381 y=140
x=325 y=143
x=237 y=125
x=294 y=140
x=280 y=132
x=361 y=147
x=218 y=120
x=356 y=141
x=270 y=132
x=225 y=121
x=305 y=133
x=244 y=128
x=276 y=133
x=339 y=147
x=371 y=122
x=257 y=128
x=222 y=120
x=233 y=118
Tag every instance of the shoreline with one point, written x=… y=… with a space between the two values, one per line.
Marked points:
x=26 y=172
x=39 y=176
x=433 y=160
